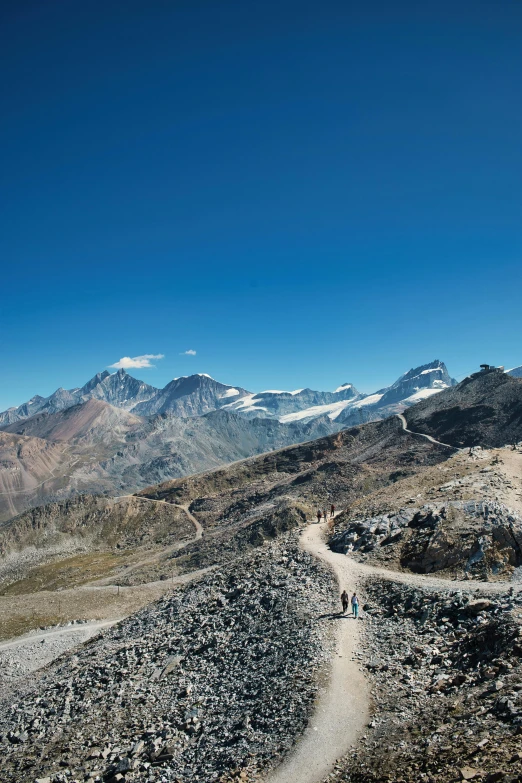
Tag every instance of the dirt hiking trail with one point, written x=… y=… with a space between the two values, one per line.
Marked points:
x=342 y=710
x=343 y=707
x=422 y=435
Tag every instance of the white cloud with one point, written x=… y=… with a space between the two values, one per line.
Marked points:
x=190 y=352
x=136 y=362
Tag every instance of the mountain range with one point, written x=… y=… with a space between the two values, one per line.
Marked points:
x=196 y=395
x=117 y=434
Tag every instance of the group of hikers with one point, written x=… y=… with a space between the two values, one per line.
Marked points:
x=345 y=600
x=324 y=513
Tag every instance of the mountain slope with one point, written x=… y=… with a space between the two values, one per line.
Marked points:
x=98 y=448
x=26 y=463
x=484 y=409
x=91 y=422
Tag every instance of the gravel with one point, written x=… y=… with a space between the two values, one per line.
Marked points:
x=27 y=654
x=446 y=677
x=190 y=688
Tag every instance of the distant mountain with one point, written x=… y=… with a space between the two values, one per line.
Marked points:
x=284 y=405
x=413 y=386
x=418 y=384
x=516 y=372
x=192 y=395
x=119 y=389
x=346 y=406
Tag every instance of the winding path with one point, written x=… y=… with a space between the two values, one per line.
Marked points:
x=197 y=525
x=342 y=709
x=422 y=435
x=85 y=629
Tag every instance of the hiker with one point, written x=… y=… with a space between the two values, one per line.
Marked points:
x=319 y=515
x=355 y=606
x=325 y=512
x=332 y=511
x=345 y=600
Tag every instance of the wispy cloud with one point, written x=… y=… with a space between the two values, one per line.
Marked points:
x=136 y=362
x=190 y=352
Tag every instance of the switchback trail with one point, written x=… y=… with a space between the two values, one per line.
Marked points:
x=422 y=435
x=343 y=706
x=197 y=525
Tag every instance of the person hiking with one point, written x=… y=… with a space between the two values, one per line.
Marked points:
x=332 y=511
x=325 y=512
x=355 y=606
x=319 y=515
x=345 y=600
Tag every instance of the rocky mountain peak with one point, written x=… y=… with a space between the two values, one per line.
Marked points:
x=191 y=395
x=95 y=381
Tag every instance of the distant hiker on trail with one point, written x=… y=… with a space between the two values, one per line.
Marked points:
x=345 y=600
x=332 y=511
x=355 y=606
x=319 y=515
x=325 y=512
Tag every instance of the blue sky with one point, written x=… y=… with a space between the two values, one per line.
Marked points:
x=303 y=193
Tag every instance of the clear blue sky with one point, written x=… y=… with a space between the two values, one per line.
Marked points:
x=304 y=193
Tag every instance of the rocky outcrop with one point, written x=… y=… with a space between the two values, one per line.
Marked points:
x=483 y=539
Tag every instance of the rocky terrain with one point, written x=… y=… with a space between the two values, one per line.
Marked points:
x=445 y=670
x=482 y=539
x=66 y=557
x=188 y=689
